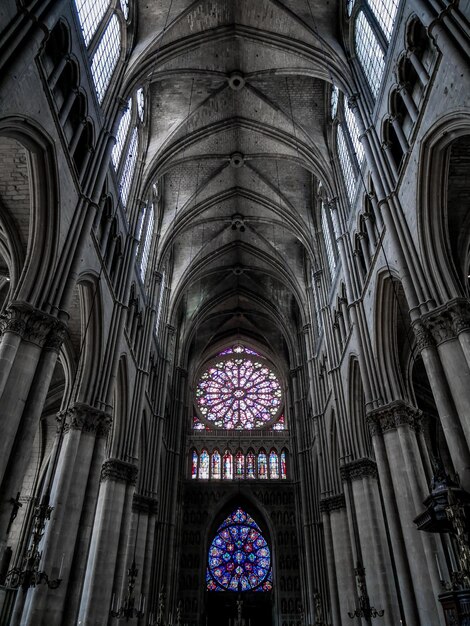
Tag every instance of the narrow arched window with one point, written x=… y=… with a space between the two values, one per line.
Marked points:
x=90 y=14
x=239 y=465
x=140 y=97
x=354 y=134
x=160 y=304
x=228 y=465
x=385 y=12
x=147 y=243
x=347 y=168
x=121 y=135
x=125 y=8
x=369 y=52
x=250 y=465
x=216 y=466
x=328 y=239
x=283 y=465
x=204 y=465
x=262 y=464
x=194 y=461
x=129 y=167
x=334 y=101
x=273 y=465
x=105 y=59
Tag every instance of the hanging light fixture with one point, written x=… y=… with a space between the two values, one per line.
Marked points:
x=128 y=610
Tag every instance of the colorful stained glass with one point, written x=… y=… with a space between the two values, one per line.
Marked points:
x=239 y=557
x=262 y=464
x=283 y=465
x=216 y=468
x=250 y=465
x=228 y=465
x=204 y=465
x=194 y=465
x=239 y=465
x=240 y=392
x=273 y=465
x=280 y=424
x=197 y=424
x=238 y=349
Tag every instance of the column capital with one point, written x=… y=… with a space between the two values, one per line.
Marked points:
x=392 y=416
x=423 y=337
x=361 y=468
x=32 y=325
x=449 y=320
x=119 y=471
x=86 y=418
x=332 y=503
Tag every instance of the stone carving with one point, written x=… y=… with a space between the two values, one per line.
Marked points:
x=448 y=321
x=87 y=419
x=359 y=469
x=333 y=503
x=423 y=336
x=119 y=471
x=392 y=416
x=32 y=325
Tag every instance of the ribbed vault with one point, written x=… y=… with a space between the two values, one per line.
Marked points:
x=238 y=109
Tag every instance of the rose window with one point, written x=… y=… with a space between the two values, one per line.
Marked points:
x=238 y=391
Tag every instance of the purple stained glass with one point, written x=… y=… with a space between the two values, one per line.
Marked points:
x=239 y=557
x=239 y=465
x=283 y=465
x=250 y=465
x=280 y=424
x=194 y=465
x=238 y=392
x=238 y=349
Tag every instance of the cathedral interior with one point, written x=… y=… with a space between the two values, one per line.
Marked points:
x=234 y=312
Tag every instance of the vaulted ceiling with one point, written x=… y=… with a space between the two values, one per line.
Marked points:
x=238 y=121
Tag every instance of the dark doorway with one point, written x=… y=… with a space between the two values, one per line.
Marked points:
x=222 y=609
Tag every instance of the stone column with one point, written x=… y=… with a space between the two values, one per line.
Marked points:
x=387 y=423
x=83 y=426
x=362 y=478
x=327 y=505
x=112 y=517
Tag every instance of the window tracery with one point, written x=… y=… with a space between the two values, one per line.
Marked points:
x=212 y=466
x=90 y=14
x=369 y=52
x=106 y=57
x=349 y=175
x=239 y=557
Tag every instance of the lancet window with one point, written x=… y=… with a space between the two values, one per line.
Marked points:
x=207 y=465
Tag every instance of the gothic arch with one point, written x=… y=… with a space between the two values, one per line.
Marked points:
x=445 y=278
x=40 y=240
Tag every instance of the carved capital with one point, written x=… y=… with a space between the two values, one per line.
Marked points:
x=87 y=419
x=145 y=504
x=119 y=471
x=448 y=321
x=423 y=336
x=393 y=416
x=32 y=325
x=359 y=469
x=333 y=503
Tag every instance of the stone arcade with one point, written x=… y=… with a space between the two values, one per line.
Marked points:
x=234 y=312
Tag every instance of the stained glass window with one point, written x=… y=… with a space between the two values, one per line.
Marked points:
x=283 y=465
x=106 y=57
x=385 y=12
x=129 y=167
x=334 y=100
x=239 y=557
x=250 y=465
x=194 y=465
x=204 y=465
x=140 y=103
x=262 y=465
x=280 y=424
x=238 y=349
x=273 y=465
x=369 y=53
x=198 y=425
x=239 y=465
x=121 y=135
x=239 y=392
x=216 y=469
x=349 y=175
x=228 y=465
x=90 y=14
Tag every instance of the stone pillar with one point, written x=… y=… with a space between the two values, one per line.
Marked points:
x=84 y=428
x=395 y=426
x=25 y=332
x=449 y=326
x=112 y=518
x=362 y=478
x=339 y=555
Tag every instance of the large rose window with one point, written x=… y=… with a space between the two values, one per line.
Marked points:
x=238 y=390
x=239 y=556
